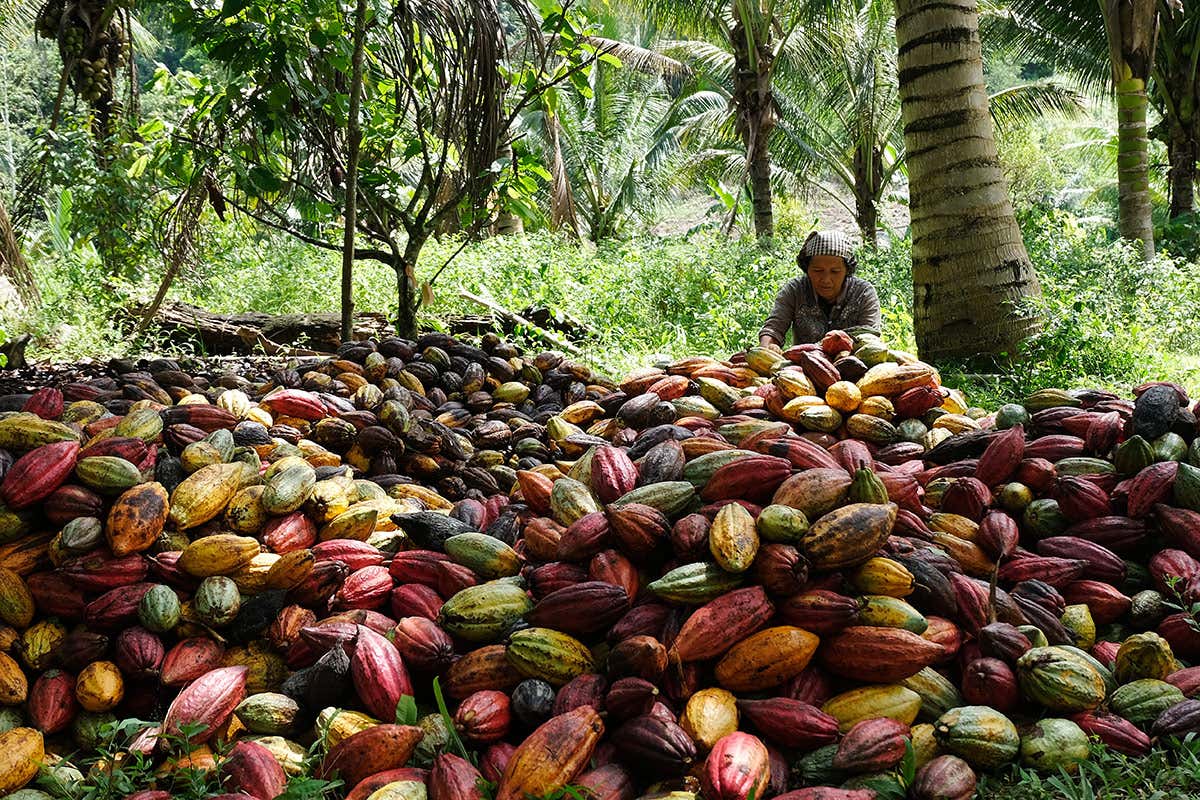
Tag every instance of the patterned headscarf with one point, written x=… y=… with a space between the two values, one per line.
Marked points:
x=828 y=243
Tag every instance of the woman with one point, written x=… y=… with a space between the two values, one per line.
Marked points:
x=828 y=297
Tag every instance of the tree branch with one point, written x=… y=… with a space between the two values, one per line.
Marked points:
x=359 y=253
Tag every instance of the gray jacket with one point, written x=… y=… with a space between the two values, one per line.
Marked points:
x=797 y=307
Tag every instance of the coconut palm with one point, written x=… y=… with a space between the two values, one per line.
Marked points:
x=1118 y=44
x=615 y=144
x=971 y=272
x=839 y=128
x=754 y=33
x=1175 y=93
x=609 y=141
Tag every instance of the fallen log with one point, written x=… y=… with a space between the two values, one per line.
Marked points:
x=255 y=332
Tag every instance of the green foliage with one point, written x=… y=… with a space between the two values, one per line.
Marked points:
x=698 y=294
x=124 y=773
x=615 y=138
x=301 y=787
x=1166 y=773
x=1111 y=321
x=406 y=711
x=114 y=203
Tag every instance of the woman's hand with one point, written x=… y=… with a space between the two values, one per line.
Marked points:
x=769 y=343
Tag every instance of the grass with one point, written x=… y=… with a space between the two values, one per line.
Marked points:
x=1167 y=773
x=1110 y=321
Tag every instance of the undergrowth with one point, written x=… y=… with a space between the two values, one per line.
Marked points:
x=1108 y=320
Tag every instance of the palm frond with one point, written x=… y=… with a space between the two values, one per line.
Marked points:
x=17 y=18
x=1068 y=35
x=700 y=18
x=670 y=137
x=703 y=58
x=640 y=59
x=141 y=38
x=1019 y=105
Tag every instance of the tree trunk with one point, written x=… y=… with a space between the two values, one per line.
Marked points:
x=1132 y=29
x=10 y=159
x=406 y=288
x=1133 y=166
x=867 y=171
x=13 y=265
x=1182 y=153
x=353 y=143
x=970 y=268
x=562 y=199
x=755 y=109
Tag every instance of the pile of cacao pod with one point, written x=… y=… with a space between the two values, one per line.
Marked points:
x=813 y=573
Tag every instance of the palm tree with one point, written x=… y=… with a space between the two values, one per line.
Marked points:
x=840 y=109
x=610 y=141
x=1131 y=27
x=971 y=273
x=754 y=33
x=615 y=144
x=1175 y=93
x=1118 y=44
x=839 y=129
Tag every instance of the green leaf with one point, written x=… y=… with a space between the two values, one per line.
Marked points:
x=454 y=742
x=138 y=166
x=406 y=711
x=263 y=180
x=231 y=8
x=908 y=764
x=150 y=128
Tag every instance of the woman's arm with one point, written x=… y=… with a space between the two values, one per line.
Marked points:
x=866 y=312
x=783 y=312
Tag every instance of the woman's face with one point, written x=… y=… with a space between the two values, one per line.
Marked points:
x=827 y=274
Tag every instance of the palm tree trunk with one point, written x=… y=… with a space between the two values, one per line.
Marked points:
x=970 y=268
x=868 y=167
x=1133 y=165
x=562 y=199
x=1132 y=30
x=1182 y=153
x=755 y=114
x=760 y=179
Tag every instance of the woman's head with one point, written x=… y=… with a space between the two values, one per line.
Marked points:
x=827 y=257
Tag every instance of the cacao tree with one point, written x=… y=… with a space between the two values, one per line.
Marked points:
x=442 y=83
x=971 y=273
